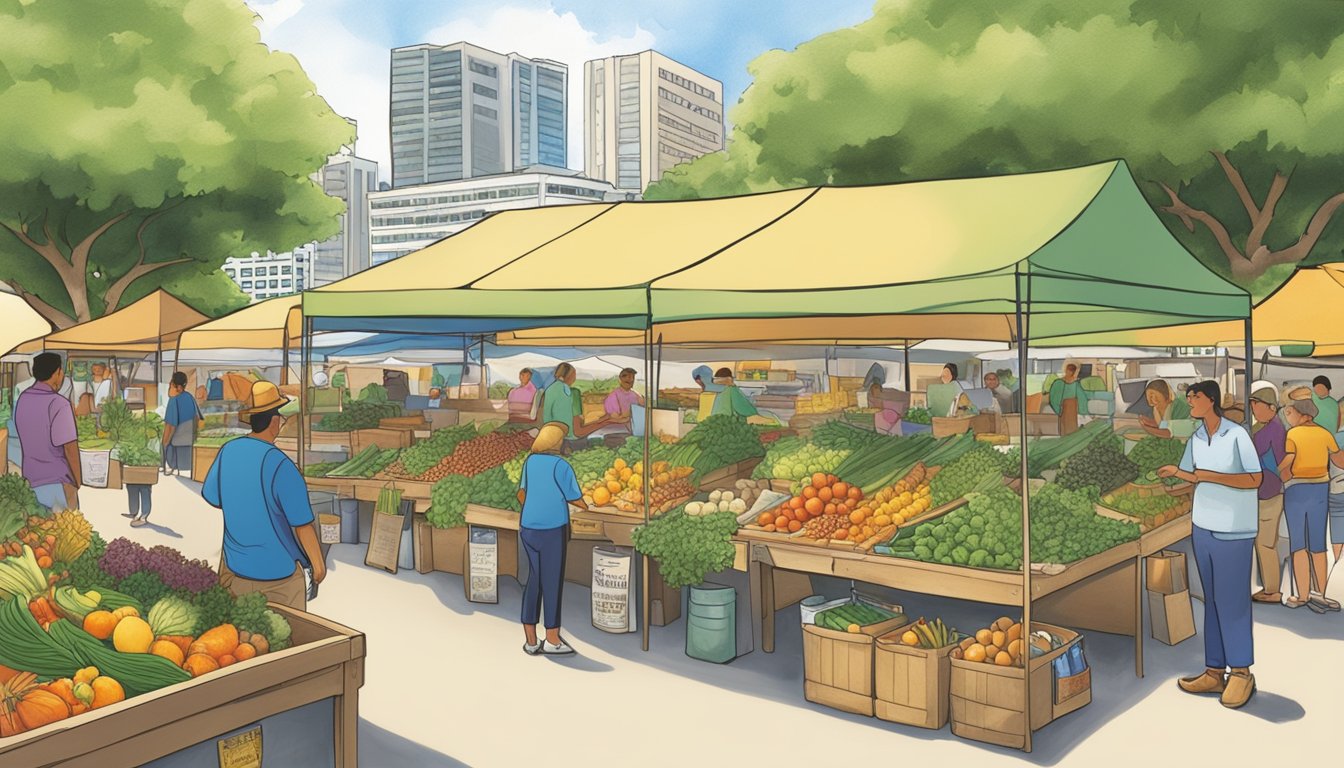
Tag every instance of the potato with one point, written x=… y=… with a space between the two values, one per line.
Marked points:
x=726 y=496
x=715 y=496
x=693 y=508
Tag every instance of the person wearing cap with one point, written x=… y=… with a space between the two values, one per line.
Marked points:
x=268 y=521
x=1269 y=436
x=546 y=490
x=1305 y=470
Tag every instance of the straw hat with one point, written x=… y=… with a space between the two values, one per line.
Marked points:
x=265 y=397
x=550 y=437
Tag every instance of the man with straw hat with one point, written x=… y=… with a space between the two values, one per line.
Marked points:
x=546 y=491
x=268 y=521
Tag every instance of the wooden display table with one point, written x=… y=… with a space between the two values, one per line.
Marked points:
x=326 y=663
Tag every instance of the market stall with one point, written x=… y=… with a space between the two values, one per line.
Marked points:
x=1010 y=259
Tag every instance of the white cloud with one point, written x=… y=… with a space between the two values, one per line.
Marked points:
x=275 y=13
x=544 y=34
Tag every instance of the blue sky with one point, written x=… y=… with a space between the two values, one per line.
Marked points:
x=344 y=44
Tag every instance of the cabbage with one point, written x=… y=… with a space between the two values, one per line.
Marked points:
x=173 y=616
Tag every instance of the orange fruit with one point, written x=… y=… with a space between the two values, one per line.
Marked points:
x=975 y=653
x=984 y=637
x=819 y=481
x=842 y=509
x=1003 y=659
x=601 y=496
x=991 y=651
x=781 y=522
x=106 y=691
x=840 y=535
x=832 y=480
x=1001 y=639
x=795 y=526
x=198 y=664
x=765 y=519
x=797 y=502
x=856 y=517
x=614 y=487
x=132 y=635
x=770 y=528
x=829 y=509
x=855 y=493
x=814 y=507
x=227 y=659
x=841 y=490
x=824 y=494
x=245 y=651
x=168 y=650
x=809 y=492
x=100 y=624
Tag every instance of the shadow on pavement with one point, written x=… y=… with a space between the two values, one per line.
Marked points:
x=1273 y=708
x=161 y=529
x=1302 y=622
x=580 y=663
x=379 y=746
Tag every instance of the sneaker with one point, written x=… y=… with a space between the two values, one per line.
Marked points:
x=139 y=522
x=131 y=515
x=1240 y=689
x=562 y=649
x=1320 y=603
x=1208 y=682
x=532 y=650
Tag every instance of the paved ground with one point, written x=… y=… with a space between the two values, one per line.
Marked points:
x=447 y=683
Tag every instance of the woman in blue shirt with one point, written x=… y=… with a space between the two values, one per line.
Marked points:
x=546 y=490
x=1221 y=461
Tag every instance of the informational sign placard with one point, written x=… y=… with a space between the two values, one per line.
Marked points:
x=613 y=590
x=384 y=542
x=482 y=566
x=241 y=750
x=93 y=467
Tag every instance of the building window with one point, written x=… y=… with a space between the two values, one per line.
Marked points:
x=275 y=283
x=247 y=284
x=481 y=68
x=485 y=111
x=481 y=90
x=689 y=85
x=286 y=283
x=684 y=103
x=285 y=270
x=246 y=272
x=275 y=270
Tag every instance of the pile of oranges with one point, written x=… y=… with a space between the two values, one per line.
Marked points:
x=824 y=495
x=622 y=484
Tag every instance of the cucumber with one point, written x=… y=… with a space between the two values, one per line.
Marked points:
x=112 y=600
x=137 y=672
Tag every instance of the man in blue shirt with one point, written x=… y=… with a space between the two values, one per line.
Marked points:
x=268 y=522
x=180 y=423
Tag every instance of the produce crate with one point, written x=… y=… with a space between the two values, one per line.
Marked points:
x=951 y=426
x=449 y=546
x=383 y=438
x=411 y=421
x=325 y=663
x=728 y=475
x=912 y=683
x=838 y=666
x=202 y=457
x=139 y=475
x=1182 y=508
x=986 y=700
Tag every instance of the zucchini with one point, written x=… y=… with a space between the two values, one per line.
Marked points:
x=137 y=672
x=112 y=600
x=24 y=646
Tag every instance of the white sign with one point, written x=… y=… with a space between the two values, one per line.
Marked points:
x=483 y=565
x=613 y=591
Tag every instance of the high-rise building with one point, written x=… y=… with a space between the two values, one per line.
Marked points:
x=265 y=276
x=461 y=111
x=409 y=218
x=645 y=113
x=350 y=178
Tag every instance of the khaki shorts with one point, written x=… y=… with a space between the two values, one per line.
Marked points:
x=291 y=591
x=1271 y=511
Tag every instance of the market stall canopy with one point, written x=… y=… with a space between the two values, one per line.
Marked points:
x=265 y=325
x=1307 y=309
x=154 y=321
x=22 y=323
x=879 y=264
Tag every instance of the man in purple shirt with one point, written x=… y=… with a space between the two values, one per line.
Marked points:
x=47 y=436
x=1269 y=436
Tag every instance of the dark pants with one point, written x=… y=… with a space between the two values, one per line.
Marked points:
x=139 y=497
x=545 y=550
x=178 y=457
x=1225 y=571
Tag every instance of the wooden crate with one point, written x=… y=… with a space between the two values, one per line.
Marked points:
x=986 y=700
x=202 y=457
x=449 y=546
x=325 y=662
x=414 y=421
x=912 y=683
x=724 y=477
x=382 y=438
x=951 y=426
x=139 y=475
x=838 y=666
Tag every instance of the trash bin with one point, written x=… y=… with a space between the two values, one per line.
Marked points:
x=711 y=626
x=349 y=512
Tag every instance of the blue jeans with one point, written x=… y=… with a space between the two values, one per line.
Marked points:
x=545 y=550
x=1225 y=571
x=138 y=497
x=1337 y=518
x=1306 y=507
x=51 y=496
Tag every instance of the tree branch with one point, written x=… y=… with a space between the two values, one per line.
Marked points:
x=52 y=315
x=1260 y=224
x=1302 y=248
x=113 y=296
x=1239 y=184
x=1189 y=216
x=47 y=251
x=79 y=255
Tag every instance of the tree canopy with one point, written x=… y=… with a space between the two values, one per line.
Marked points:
x=1230 y=114
x=145 y=142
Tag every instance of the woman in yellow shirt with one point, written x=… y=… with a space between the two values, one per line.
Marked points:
x=1305 y=470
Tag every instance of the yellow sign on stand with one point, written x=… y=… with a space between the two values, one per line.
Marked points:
x=242 y=750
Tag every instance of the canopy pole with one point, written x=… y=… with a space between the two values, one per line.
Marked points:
x=284 y=358
x=482 y=389
x=647 y=474
x=1250 y=356
x=1026 y=522
x=158 y=372
x=906 y=347
x=305 y=376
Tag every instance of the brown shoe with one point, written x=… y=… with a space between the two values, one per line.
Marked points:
x=1209 y=682
x=1240 y=688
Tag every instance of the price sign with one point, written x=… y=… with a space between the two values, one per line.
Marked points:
x=242 y=750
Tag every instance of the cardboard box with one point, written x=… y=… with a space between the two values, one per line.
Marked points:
x=139 y=475
x=1172 y=616
x=912 y=683
x=986 y=700
x=949 y=427
x=838 y=666
x=383 y=438
x=114 y=481
x=1166 y=572
x=448 y=545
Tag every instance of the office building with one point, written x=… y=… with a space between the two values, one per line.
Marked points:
x=265 y=276
x=410 y=218
x=460 y=111
x=645 y=113
x=350 y=178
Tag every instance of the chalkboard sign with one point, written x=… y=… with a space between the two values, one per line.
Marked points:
x=482 y=566
x=385 y=538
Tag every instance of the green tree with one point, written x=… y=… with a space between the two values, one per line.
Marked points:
x=145 y=142
x=1230 y=114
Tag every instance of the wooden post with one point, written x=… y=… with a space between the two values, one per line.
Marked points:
x=907 y=366
x=1022 y=337
x=1138 y=615
x=1249 y=355
x=647 y=474
x=305 y=377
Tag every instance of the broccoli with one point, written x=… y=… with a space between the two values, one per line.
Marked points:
x=249 y=613
x=216 y=606
x=277 y=631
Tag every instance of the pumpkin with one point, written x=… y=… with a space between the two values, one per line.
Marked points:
x=126 y=611
x=198 y=664
x=39 y=708
x=7 y=674
x=220 y=641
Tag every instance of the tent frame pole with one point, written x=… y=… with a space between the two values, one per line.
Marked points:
x=305 y=375
x=647 y=474
x=1022 y=351
x=906 y=347
x=1250 y=357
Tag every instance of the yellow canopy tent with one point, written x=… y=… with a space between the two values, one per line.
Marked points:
x=147 y=325
x=22 y=323
x=269 y=324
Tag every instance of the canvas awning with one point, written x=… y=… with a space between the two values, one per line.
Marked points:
x=147 y=325
x=878 y=264
x=265 y=325
x=21 y=323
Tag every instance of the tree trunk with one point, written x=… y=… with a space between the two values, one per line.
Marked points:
x=72 y=269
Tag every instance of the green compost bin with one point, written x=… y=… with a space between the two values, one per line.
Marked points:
x=711 y=626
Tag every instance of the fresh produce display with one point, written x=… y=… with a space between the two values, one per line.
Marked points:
x=686 y=547
x=986 y=533
x=828 y=504
x=470 y=457
x=493 y=488
x=793 y=458
x=321 y=469
x=841 y=436
x=1152 y=453
x=853 y=616
x=980 y=468
x=1101 y=464
x=1000 y=643
x=1051 y=453
x=590 y=465
x=918 y=416
x=737 y=500
x=876 y=469
x=1065 y=526
x=715 y=443
x=1150 y=509
x=367 y=463
x=448 y=502
x=424 y=455
x=365 y=412
x=125 y=559
x=632 y=450
x=906 y=500
x=133 y=453
x=18 y=504
x=931 y=635
x=621 y=486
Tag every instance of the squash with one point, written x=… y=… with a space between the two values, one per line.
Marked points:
x=107 y=691
x=181 y=641
x=199 y=664
x=220 y=641
x=39 y=708
x=245 y=651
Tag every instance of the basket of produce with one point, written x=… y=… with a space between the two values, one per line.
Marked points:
x=1151 y=506
x=838 y=652
x=947 y=426
x=460 y=450
x=912 y=673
